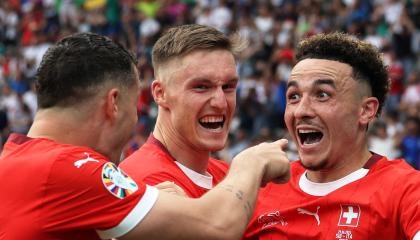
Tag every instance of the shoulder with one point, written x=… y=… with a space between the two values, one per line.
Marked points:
x=147 y=156
x=398 y=167
x=398 y=177
x=151 y=165
x=43 y=152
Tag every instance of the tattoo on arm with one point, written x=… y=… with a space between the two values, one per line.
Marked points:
x=248 y=210
x=240 y=196
x=228 y=187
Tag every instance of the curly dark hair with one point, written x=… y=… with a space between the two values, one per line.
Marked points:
x=72 y=70
x=364 y=58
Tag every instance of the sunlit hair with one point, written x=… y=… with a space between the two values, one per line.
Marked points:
x=184 y=39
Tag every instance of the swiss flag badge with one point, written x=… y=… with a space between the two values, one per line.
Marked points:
x=350 y=215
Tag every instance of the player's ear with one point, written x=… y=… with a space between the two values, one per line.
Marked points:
x=111 y=103
x=158 y=92
x=368 y=110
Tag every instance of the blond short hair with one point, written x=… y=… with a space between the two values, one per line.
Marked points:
x=181 y=40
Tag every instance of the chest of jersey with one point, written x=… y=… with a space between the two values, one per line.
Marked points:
x=351 y=212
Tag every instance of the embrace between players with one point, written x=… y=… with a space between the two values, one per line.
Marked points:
x=63 y=181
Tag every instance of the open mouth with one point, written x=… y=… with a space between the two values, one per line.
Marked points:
x=212 y=122
x=307 y=137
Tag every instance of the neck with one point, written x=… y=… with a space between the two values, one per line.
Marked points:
x=183 y=152
x=66 y=127
x=344 y=166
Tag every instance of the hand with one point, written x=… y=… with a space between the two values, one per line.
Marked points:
x=172 y=188
x=271 y=155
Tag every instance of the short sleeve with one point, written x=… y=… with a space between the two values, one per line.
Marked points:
x=85 y=191
x=409 y=209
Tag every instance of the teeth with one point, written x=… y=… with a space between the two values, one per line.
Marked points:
x=306 y=131
x=211 y=119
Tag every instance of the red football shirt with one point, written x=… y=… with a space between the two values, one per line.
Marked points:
x=153 y=164
x=61 y=191
x=377 y=202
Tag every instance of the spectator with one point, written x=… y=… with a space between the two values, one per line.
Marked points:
x=381 y=143
x=410 y=142
x=27 y=28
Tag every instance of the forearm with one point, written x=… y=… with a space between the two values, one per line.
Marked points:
x=235 y=199
x=222 y=213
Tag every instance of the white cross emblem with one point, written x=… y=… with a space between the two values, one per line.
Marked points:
x=350 y=215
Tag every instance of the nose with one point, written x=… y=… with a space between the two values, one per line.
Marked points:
x=218 y=99
x=304 y=108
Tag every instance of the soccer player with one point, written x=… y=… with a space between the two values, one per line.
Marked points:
x=61 y=182
x=338 y=189
x=195 y=90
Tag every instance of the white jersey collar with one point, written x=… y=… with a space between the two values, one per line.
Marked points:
x=204 y=181
x=322 y=189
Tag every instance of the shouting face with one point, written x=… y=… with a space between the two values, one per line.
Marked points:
x=197 y=98
x=327 y=112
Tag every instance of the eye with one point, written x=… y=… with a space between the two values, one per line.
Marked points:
x=323 y=95
x=201 y=86
x=293 y=97
x=229 y=87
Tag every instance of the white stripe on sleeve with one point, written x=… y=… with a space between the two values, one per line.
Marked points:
x=134 y=217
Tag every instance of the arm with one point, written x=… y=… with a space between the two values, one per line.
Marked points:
x=224 y=211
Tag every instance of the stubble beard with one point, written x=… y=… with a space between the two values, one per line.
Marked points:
x=315 y=166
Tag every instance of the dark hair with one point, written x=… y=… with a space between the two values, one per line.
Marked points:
x=364 y=58
x=183 y=39
x=72 y=70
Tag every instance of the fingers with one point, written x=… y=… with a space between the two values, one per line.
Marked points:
x=282 y=143
x=277 y=170
x=172 y=188
x=165 y=184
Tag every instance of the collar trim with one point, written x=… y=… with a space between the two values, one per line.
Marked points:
x=204 y=181
x=322 y=189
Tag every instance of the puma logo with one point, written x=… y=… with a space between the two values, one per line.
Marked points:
x=315 y=214
x=80 y=162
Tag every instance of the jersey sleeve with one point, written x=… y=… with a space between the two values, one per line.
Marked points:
x=409 y=209
x=85 y=191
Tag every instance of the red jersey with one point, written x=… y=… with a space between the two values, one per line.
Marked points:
x=153 y=164
x=62 y=191
x=377 y=202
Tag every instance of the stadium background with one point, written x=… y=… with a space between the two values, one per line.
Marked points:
x=272 y=27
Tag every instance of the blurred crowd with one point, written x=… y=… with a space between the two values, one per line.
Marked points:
x=272 y=28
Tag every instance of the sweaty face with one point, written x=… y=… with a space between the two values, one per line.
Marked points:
x=322 y=111
x=200 y=92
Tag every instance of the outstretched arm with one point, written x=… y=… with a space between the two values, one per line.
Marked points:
x=223 y=212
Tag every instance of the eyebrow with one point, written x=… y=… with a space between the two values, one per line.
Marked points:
x=317 y=82
x=325 y=81
x=205 y=80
